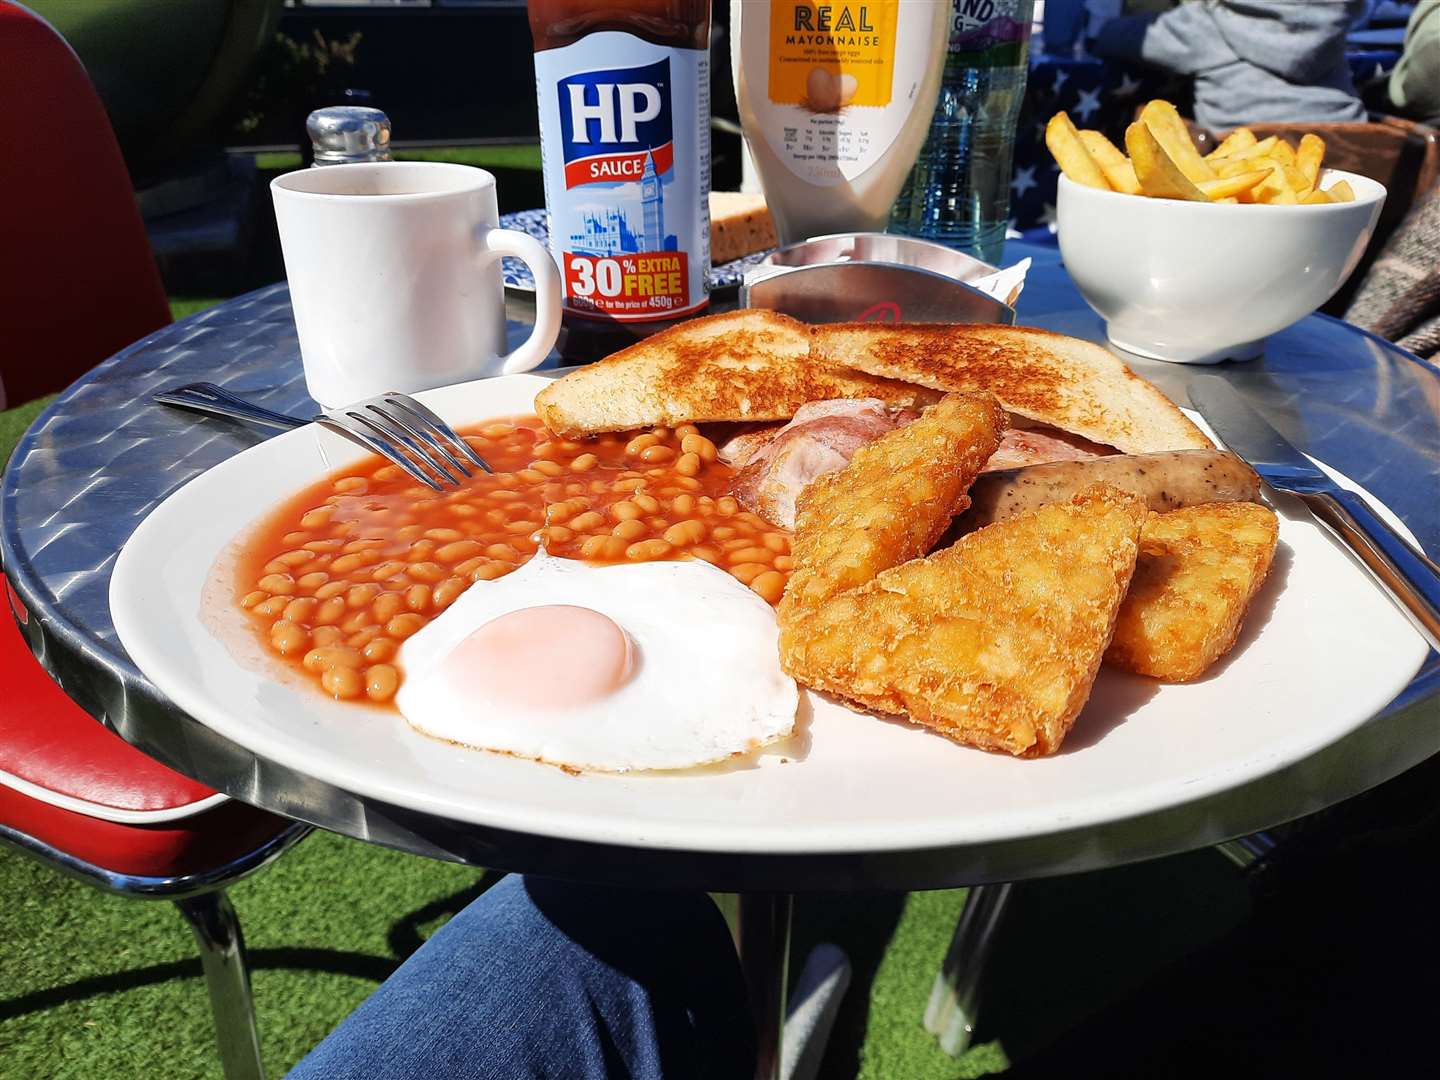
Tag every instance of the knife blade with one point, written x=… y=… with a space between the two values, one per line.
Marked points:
x=1406 y=574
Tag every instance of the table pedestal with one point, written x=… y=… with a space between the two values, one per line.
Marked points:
x=955 y=997
x=761 y=927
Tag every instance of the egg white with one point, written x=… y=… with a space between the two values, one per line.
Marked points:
x=706 y=682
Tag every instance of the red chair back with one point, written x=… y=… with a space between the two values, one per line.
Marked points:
x=78 y=281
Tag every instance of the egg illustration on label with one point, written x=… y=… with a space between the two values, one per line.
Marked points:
x=661 y=665
x=827 y=92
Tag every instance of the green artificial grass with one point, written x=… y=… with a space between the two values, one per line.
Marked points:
x=93 y=985
x=96 y=986
x=184 y=306
x=13 y=423
x=501 y=156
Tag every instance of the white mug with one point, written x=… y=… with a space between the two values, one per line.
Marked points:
x=394 y=271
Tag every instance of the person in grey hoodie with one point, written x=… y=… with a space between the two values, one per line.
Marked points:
x=1253 y=61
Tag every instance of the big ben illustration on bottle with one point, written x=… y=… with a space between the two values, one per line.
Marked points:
x=652 y=205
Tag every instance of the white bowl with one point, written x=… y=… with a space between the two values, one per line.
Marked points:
x=1198 y=283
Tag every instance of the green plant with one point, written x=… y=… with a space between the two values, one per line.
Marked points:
x=292 y=73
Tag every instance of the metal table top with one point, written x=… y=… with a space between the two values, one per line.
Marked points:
x=101 y=457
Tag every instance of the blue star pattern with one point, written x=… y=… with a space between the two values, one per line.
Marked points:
x=1104 y=97
x=1087 y=104
x=1127 y=86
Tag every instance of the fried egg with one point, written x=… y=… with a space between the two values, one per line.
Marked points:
x=659 y=665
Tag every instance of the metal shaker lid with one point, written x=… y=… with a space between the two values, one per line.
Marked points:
x=342 y=134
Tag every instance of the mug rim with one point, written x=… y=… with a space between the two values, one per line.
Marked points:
x=482 y=178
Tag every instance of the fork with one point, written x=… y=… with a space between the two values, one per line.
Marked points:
x=393 y=425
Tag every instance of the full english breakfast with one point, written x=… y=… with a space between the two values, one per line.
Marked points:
x=691 y=527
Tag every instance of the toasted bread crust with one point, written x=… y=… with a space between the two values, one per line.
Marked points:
x=1071 y=384
x=750 y=364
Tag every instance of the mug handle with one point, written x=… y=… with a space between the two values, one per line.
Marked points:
x=537 y=346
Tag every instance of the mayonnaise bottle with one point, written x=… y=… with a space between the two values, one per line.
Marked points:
x=835 y=100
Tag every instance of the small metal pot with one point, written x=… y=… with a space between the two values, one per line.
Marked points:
x=873 y=277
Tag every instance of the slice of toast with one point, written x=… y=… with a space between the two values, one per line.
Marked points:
x=740 y=225
x=1074 y=385
x=749 y=364
x=1199 y=569
x=994 y=642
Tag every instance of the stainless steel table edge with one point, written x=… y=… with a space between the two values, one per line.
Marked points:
x=1376 y=752
x=1379 y=750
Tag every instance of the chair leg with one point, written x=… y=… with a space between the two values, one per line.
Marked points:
x=222 y=954
x=955 y=997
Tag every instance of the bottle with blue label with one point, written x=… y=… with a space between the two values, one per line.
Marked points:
x=624 y=95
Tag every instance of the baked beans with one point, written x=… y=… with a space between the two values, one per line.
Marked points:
x=345 y=571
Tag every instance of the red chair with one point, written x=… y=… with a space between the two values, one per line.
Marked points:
x=77 y=283
x=77 y=279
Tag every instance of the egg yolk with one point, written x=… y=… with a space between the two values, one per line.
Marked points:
x=549 y=657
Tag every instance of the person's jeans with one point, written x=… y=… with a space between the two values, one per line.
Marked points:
x=545 y=979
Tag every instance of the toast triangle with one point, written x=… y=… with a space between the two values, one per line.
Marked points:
x=750 y=364
x=1077 y=386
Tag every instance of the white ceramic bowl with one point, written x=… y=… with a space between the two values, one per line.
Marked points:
x=1199 y=283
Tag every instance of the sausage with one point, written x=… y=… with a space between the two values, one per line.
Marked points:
x=1168 y=480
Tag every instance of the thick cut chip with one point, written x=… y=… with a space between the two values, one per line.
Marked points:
x=1275 y=188
x=1263 y=148
x=1199 y=569
x=1232 y=167
x=894 y=499
x=1283 y=151
x=1309 y=157
x=1239 y=139
x=1341 y=192
x=993 y=642
x=1070 y=153
x=1115 y=165
x=1163 y=120
x=1225 y=187
x=1157 y=173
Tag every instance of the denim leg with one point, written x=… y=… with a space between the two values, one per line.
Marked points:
x=545 y=979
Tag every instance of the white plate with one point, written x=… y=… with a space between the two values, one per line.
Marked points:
x=1322 y=651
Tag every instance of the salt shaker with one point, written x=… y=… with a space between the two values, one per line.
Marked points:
x=343 y=134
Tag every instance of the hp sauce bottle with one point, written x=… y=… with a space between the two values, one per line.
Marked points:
x=624 y=94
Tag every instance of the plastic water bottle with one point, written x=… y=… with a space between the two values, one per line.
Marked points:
x=958 y=193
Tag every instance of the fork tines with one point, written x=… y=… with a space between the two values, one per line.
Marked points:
x=399 y=428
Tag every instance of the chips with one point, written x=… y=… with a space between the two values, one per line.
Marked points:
x=1075 y=161
x=1164 y=163
x=1115 y=165
x=1156 y=171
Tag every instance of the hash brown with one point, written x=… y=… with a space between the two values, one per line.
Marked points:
x=893 y=500
x=1199 y=568
x=993 y=642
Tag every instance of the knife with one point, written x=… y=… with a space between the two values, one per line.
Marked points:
x=1409 y=578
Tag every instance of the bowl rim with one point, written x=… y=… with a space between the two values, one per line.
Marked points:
x=1377 y=192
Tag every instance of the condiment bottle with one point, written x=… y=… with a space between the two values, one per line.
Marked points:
x=835 y=101
x=624 y=95
x=342 y=134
